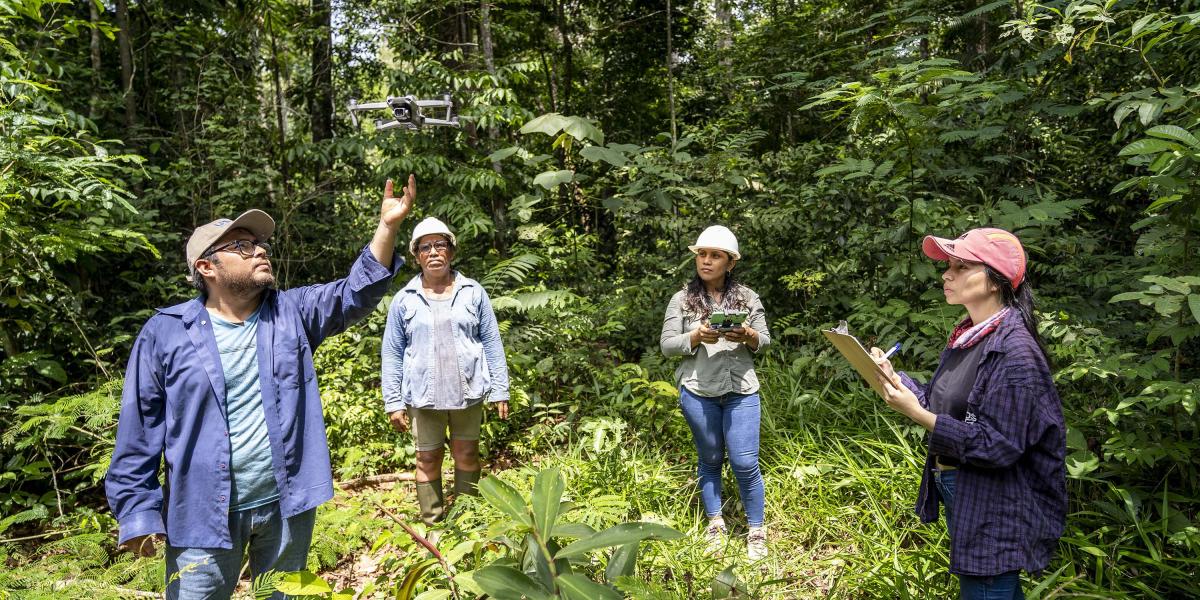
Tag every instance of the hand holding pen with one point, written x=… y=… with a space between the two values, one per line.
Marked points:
x=882 y=359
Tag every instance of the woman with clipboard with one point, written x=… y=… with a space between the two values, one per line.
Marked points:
x=716 y=324
x=997 y=442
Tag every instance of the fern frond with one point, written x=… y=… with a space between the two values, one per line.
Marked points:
x=514 y=269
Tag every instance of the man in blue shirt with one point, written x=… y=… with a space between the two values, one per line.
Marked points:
x=222 y=390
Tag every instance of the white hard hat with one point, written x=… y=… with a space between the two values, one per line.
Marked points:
x=429 y=226
x=717 y=237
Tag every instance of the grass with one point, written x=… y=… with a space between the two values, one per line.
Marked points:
x=839 y=512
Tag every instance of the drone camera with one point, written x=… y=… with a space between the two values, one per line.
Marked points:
x=404 y=108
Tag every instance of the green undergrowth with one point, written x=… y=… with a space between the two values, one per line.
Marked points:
x=841 y=474
x=838 y=511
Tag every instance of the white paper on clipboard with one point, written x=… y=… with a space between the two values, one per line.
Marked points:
x=854 y=352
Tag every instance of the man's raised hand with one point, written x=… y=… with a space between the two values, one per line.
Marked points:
x=395 y=209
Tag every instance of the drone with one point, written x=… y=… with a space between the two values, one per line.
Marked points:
x=407 y=112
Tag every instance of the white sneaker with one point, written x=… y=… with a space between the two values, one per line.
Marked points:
x=756 y=543
x=715 y=535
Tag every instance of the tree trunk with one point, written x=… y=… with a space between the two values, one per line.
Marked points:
x=568 y=54
x=983 y=45
x=498 y=201
x=551 y=86
x=321 y=100
x=125 y=45
x=724 y=17
x=94 y=18
x=485 y=36
x=464 y=25
x=671 y=72
x=280 y=106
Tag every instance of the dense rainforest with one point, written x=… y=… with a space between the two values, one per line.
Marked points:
x=596 y=140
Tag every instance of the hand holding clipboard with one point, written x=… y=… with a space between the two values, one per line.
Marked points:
x=859 y=358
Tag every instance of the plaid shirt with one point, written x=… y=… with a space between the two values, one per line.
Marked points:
x=1010 y=502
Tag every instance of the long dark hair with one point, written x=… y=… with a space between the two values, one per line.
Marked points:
x=698 y=303
x=1021 y=300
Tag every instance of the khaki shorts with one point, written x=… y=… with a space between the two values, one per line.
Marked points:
x=429 y=425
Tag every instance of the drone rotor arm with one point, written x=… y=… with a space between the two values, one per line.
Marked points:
x=369 y=106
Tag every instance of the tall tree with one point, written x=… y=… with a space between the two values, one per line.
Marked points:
x=321 y=99
x=94 y=51
x=125 y=46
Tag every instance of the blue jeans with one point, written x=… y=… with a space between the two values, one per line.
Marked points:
x=729 y=422
x=275 y=544
x=1005 y=586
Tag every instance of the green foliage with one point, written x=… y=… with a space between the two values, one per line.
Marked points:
x=66 y=225
x=539 y=565
x=831 y=136
x=361 y=440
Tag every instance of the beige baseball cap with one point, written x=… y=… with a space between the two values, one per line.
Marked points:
x=255 y=221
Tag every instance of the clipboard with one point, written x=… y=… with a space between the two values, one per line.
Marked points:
x=854 y=352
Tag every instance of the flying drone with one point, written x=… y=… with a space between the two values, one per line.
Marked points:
x=407 y=112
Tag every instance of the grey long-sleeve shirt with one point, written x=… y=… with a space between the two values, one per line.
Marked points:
x=719 y=368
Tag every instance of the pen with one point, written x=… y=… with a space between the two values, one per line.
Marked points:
x=888 y=354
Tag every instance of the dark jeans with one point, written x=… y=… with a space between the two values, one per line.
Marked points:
x=1005 y=586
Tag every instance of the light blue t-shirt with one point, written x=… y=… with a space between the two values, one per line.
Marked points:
x=252 y=471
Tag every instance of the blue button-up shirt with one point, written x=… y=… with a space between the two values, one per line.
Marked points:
x=408 y=349
x=1010 y=499
x=173 y=410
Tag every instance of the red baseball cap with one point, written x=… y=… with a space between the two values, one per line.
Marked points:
x=993 y=247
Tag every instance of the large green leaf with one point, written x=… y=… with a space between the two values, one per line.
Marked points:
x=727 y=585
x=600 y=153
x=622 y=562
x=574 y=530
x=507 y=583
x=503 y=153
x=583 y=129
x=552 y=179
x=547 y=493
x=433 y=595
x=1127 y=296
x=1147 y=146
x=578 y=587
x=619 y=535
x=1176 y=133
x=302 y=583
x=408 y=586
x=1194 y=304
x=536 y=563
x=549 y=124
x=505 y=498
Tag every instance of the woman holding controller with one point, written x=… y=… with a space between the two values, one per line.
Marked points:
x=718 y=389
x=997 y=437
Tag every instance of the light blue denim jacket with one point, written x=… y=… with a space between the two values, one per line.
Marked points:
x=408 y=351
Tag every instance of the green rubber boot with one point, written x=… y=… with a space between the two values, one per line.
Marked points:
x=433 y=504
x=466 y=483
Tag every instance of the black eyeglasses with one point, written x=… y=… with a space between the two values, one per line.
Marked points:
x=246 y=248
x=440 y=246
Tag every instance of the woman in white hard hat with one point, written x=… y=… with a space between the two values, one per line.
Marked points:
x=442 y=359
x=718 y=389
